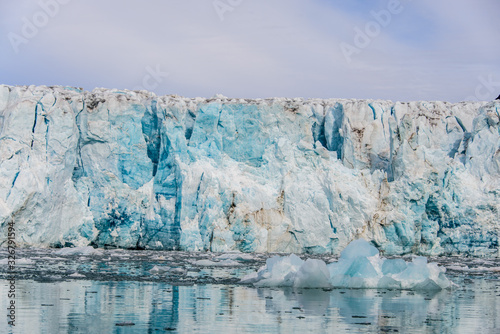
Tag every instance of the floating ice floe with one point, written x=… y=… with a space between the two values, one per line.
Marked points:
x=87 y=250
x=76 y=275
x=236 y=256
x=359 y=266
x=209 y=263
x=465 y=268
x=17 y=262
x=159 y=270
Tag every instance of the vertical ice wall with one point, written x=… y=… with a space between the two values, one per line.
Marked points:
x=134 y=170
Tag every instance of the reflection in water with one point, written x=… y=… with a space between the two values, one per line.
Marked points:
x=151 y=307
x=120 y=291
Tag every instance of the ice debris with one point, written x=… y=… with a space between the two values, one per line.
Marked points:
x=18 y=261
x=87 y=250
x=159 y=270
x=209 y=263
x=76 y=275
x=359 y=267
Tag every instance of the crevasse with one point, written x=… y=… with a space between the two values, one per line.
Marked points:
x=127 y=169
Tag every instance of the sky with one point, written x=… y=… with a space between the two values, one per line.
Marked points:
x=402 y=50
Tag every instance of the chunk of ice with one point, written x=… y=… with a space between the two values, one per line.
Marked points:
x=312 y=274
x=393 y=266
x=278 y=271
x=87 y=250
x=358 y=248
x=159 y=269
x=359 y=266
x=236 y=256
x=76 y=275
x=209 y=263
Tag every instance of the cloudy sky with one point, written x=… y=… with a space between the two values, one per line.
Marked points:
x=387 y=49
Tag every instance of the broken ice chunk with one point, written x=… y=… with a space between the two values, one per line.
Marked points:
x=87 y=250
x=359 y=267
x=393 y=266
x=312 y=274
x=358 y=248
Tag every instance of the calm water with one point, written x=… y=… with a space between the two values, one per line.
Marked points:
x=115 y=292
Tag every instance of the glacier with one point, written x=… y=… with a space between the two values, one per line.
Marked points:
x=130 y=169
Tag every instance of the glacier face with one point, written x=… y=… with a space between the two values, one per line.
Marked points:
x=134 y=170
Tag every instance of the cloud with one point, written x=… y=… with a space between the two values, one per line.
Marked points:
x=431 y=50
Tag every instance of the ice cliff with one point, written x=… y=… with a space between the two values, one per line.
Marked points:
x=135 y=170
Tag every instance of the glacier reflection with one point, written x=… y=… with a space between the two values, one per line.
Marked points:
x=84 y=306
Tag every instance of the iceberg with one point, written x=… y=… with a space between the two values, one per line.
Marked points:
x=359 y=267
x=130 y=169
x=290 y=271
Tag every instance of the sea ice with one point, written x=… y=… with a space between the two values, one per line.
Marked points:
x=76 y=275
x=159 y=270
x=236 y=257
x=21 y=261
x=209 y=263
x=87 y=250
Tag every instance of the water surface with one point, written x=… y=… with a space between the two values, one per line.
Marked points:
x=118 y=292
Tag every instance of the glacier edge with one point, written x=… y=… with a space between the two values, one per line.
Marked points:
x=130 y=169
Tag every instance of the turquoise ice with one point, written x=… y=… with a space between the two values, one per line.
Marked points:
x=127 y=169
x=359 y=267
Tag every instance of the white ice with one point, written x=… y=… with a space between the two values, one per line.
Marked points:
x=359 y=266
x=87 y=250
